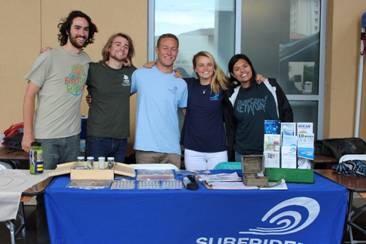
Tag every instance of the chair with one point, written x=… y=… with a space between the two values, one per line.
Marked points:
x=355 y=212
x=228 y=165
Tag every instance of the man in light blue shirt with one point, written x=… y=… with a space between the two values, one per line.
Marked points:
x=159 y=95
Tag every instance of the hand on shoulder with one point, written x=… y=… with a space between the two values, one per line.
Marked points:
x=260 y=78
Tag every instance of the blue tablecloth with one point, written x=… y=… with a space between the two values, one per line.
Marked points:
x=305 y=213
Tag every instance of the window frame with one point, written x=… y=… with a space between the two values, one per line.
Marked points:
x=238 y=29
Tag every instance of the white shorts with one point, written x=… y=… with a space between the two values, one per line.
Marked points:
x=194 y=160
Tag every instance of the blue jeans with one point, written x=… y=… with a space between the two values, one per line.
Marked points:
x=106 y=147
x=59 y=150
x=55 y=151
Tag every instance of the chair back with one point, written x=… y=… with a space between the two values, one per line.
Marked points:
x=352 y=157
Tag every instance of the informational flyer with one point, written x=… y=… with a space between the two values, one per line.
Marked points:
x=288 y=152
x=305 y=128
x=305 y=146
x=288 y=128
x=271 y=150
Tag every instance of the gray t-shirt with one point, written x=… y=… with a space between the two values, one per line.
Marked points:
x=61 y=77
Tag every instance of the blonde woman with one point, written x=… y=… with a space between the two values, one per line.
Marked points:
x=203 y=134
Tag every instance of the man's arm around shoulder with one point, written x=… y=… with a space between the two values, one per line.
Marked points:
x=28 y=114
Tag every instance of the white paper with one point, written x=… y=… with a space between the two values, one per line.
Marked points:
x=303 y=163
x=305 y=128
x=288 y=152
x=288 y=128
x=12 y=184
x=230 y=186
x=305 y=146
x=276 y=186
x=272 y=143
x=271 y=159
x=222 y=177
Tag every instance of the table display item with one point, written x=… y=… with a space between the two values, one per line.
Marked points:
x=81 y=163
x=253 y=169
x=297 y=151
x=93 y=174
x=148 y=174
x=290 y=175
x=288 y=152
x=190 y=183
x=271 y=150
x=111 y=162
x=159 y=184
x=102 y=164
x=89 y=184
x=123 y=184
x=90 y=161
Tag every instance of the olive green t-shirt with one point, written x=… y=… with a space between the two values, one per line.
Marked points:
x=109 y=111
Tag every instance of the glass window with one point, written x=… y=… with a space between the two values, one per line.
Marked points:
x=200 y=25
x=306 y=111
x=282 y=39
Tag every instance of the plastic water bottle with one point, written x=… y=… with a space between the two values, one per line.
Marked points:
x=36 y=158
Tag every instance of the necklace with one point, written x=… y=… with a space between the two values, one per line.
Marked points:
x=205 y=89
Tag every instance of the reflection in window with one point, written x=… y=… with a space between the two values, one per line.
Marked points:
x=200 y=25
x=306 y=111
x=282 y=39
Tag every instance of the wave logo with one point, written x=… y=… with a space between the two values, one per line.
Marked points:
x=287 y=221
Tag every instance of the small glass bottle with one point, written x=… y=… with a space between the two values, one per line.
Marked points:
x=80 y=159
x=81 y=162
x=101 y=162
x=111 y=162
x=90 y=162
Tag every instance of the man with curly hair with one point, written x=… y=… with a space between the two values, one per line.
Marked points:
x=57 y=79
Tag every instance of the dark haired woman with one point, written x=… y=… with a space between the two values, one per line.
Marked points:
x=253 y=104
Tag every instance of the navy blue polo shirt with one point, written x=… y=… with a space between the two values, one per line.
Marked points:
x=203 y=129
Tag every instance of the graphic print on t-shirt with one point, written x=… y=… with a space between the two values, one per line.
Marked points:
x=75 y=80
x=252 y=105
x=126 y=81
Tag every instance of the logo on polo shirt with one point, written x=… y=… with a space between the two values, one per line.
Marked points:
x=215 y=96
x=173 y=89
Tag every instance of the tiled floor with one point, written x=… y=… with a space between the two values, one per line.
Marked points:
x=31 y=228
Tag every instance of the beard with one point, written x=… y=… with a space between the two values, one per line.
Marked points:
x=119 y=58
x=75 y=43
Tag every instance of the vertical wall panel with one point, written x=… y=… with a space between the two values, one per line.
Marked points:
x=112 y=16
x=20 y=44
x=342 y=62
